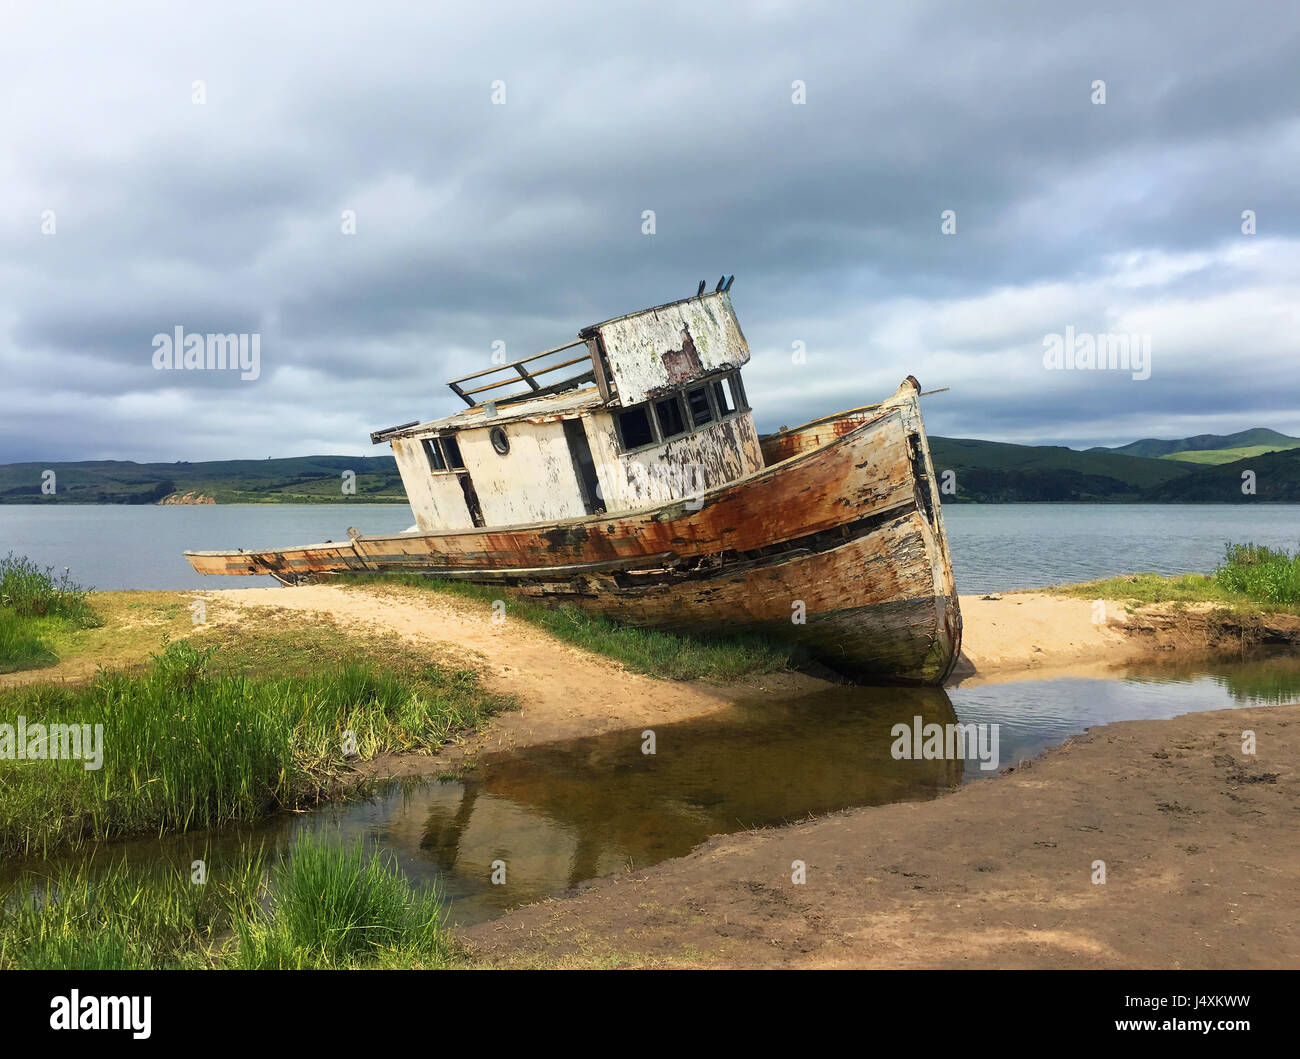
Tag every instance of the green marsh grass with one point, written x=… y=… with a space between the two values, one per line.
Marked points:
x=25 y=643
x=1260 y=574
x=673 y=656
x=317 y=906
x=1251 y=577
x=187 y=745
x=110 y=915
x=32 y=592
x=333 y=906
x=36 y=607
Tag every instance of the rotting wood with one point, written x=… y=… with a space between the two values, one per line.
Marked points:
x=830 y=535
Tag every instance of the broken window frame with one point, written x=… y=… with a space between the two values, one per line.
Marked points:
x=679 y=393
x=729 y=392
x=672 y=400
x=438 y=455
x=648 y=413
x=433 y=455
x=710 y=409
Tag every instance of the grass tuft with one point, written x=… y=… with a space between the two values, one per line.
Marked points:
x=91 y=915
x=35 y=607
x=1251 y=577
x=186 y=745
x=332 y=906
x=1260 y=574
x=318 y=906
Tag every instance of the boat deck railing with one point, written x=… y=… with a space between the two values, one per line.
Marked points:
x=524 y=378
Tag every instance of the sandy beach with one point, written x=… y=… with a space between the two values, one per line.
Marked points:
x=1201 y=848
x=1199 y=841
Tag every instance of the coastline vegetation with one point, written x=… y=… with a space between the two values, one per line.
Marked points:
x=1251 y=576
x=188 y=744
x=37 y=607
x=1202 y=469
x=667 y=655
x=316 y=906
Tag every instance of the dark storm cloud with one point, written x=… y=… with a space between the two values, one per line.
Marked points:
x=521 y=223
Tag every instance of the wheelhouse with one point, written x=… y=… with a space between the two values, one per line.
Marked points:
x=638 y=410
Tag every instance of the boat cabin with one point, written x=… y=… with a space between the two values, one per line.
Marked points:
x=636 y=411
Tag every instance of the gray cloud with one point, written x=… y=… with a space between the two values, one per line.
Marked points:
x=521 y=222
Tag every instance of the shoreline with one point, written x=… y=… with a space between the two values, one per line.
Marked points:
x=1200 y=847
x=1016 y=635
x=1199 y=841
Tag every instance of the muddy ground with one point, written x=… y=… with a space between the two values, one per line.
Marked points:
x=1200 y=842
x=1201 y=846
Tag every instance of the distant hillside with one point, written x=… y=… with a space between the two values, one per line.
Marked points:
x=1213 y=456
x=295 y=480
x=1276 y=478
x=994 y=472
x=988 y=472
x=1261 y=438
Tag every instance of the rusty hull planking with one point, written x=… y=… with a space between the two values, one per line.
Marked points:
x=851 y=525
x=788 y=443
x=877 y=607
x=824 y=489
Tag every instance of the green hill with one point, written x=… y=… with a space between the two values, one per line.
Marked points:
x=985 y=472
x=1276 y=474
x=1259 y=437
x=295 y=480
x=1215 y=456
x=996 y=472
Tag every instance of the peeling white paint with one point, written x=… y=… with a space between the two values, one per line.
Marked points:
x=533 y=482
x=537 y=480
x=664 y=347
x=436 y=498
x=710 y=457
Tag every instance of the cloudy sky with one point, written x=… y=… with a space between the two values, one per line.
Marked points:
x=171 y=165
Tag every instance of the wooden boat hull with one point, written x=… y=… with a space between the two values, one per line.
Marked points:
x=838 y=546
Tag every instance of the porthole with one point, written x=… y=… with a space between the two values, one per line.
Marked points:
x=499 y=441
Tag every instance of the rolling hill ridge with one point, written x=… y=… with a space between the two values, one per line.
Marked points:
x=1256 y=437
x=1149 y=471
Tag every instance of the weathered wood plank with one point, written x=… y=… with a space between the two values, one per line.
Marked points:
x=848 y=532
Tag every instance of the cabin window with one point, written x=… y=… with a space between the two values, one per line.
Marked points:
x=681 y=412
x=634 y=428
x=669 y=413
x=697 y=401
x=451 y=449
x=433 y=454
x=499 y=440
x=724 y=396
x=738 y=388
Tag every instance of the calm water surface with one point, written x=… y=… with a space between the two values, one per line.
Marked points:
x=562 y=813
x=995 y=547
x=110 y=546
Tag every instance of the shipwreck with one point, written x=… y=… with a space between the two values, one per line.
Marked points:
x=622 y=472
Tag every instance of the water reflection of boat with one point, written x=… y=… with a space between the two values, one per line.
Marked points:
x=609 y=805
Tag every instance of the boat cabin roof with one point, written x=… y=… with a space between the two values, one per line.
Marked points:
x=619 y=362
x=549 y=408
